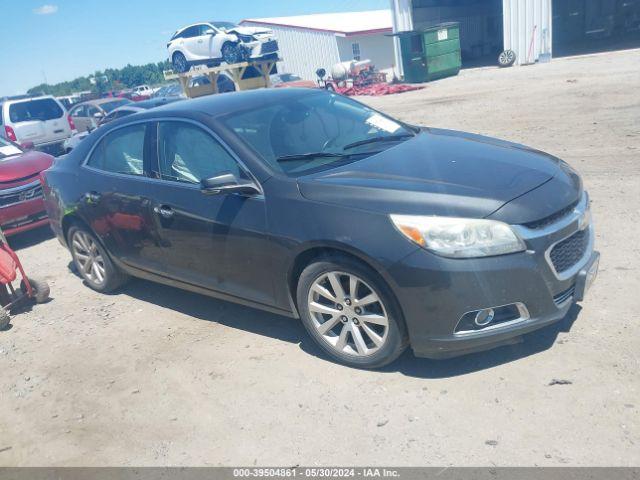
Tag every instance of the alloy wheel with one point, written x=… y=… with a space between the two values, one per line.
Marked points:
x=88 y=257
x=507 y=58
x=180 y=63
x=231 y=54
x=348 y=314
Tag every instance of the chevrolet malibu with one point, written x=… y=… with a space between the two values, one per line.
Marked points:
x=375 y=233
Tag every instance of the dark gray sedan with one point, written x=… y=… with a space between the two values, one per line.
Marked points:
x=375 y=233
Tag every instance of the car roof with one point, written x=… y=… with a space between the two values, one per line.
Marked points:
x=24 y=98
x=224 y=103
x=100 y=101
x=152 y=103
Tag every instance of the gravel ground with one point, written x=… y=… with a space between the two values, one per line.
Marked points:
x=156 y=376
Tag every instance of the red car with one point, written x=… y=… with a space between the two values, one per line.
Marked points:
x=21 y=204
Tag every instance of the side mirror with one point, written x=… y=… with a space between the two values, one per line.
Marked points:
x=227 y=183
x=98 y=115
x=209 y=31
x=27 y=146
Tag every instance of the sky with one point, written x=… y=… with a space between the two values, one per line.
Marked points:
x=58 y=40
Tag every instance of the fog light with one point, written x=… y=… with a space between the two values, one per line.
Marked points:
x=484 y=317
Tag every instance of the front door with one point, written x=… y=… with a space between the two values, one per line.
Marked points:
x=215 y=241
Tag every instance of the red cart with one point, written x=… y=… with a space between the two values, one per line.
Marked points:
x=31 y=289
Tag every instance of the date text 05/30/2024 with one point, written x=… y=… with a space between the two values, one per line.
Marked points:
x=326 y=472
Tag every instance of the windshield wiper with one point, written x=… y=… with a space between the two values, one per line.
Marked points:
x=388 y=138
x=302 y=156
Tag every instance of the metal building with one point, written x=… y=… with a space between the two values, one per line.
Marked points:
x=309 y=42
x=535 y=30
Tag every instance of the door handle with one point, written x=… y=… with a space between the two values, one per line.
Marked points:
x=164 y=211
x=92 y=197
x=199 y=41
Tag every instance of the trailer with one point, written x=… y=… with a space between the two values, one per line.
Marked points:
x=247 y=75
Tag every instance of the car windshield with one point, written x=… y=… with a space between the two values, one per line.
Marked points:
x=8 y=149
x=309 y=133
x=223 y=25
x=40 y=109
x=108 y=106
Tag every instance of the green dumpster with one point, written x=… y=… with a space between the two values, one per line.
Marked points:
x=442 y=49
x=414 y=63
x=431 y=53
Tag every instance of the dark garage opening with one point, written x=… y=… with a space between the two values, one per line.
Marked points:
x=480 y=22
x=588 y=26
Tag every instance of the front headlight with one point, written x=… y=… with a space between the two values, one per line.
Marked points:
x=459 y=237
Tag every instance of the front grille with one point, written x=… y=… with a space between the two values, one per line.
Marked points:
x=546 y=221
x=569 y=251
x=562 y=297
x=21 y=194
x=269 y=47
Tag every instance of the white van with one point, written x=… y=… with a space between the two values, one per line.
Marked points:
x=42 y=121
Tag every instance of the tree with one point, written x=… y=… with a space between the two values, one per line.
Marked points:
x=111 y=78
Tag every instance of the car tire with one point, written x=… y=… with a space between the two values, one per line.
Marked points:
x=39 y=287
x=231 y=53
x=362 y=335
x=5 y=319
x=92 y=261
x=506 y=58
x=179 y=62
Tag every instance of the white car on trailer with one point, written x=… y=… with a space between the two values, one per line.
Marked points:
x=211 y=43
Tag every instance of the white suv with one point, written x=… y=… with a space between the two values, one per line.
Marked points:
x=143 y=91
x=42 y=121
x=213 y=42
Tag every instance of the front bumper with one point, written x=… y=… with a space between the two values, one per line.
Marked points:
x=436 y=292
x=262 y=48
x=23 y=216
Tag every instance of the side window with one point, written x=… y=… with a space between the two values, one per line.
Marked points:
x=120 y=151
x=189 y=154
x=91 y=110
x=79 y=111
x=355 y=49
x=191 y=32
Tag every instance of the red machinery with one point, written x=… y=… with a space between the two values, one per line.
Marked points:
x=30 y=289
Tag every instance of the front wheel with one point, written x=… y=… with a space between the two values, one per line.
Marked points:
x=231 y=53
x=350 y=313
x=93 y=262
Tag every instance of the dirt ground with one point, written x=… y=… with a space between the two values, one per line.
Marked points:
x=156 y=376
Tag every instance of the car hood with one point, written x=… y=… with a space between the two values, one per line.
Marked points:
x=249 y=30
x=444 y=172
x=24 y=166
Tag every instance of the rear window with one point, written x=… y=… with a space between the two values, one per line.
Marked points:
x=108 y=106
x=41 y=109
x=8 y=149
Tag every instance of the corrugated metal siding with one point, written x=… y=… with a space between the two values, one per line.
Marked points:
x=304 y=51
x=523 y=21
x=402 y=22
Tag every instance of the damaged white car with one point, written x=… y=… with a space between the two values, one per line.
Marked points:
x=210 y=43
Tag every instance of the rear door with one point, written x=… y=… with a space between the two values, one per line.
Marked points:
x=41 y=120
x=80 y=118
x=117 y=196
x=189 y=42
x=202 y=42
